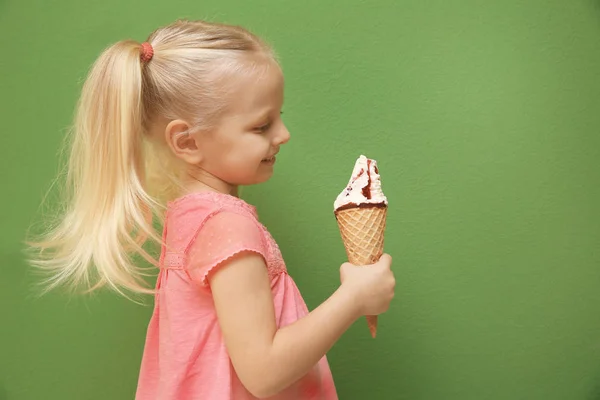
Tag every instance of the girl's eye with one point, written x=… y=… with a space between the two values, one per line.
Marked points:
x=264 y=128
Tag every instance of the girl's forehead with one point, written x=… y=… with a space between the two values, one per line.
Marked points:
x=256 y=91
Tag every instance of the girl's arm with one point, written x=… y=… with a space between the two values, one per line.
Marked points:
x=268 y=360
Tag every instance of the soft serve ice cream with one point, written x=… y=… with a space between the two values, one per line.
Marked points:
x=364 y=187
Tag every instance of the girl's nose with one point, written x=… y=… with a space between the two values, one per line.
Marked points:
x=283 y=136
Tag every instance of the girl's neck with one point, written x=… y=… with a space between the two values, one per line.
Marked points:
x=209 y=184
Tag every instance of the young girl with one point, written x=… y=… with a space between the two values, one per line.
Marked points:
x=182 y=121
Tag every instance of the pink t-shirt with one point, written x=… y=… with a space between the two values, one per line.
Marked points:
x=185 y=357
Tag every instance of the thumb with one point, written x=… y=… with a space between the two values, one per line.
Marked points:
x=385 y=260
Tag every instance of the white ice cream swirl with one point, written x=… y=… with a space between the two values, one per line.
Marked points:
x=364 y=186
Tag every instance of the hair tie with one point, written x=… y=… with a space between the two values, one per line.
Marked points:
x=147 y=52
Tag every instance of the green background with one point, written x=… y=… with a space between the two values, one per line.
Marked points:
x=484 y=118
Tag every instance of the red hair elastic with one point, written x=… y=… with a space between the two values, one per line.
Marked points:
x=147 y=52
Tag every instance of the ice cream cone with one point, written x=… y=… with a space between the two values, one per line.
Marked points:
x=362 y=229
x=361 y=210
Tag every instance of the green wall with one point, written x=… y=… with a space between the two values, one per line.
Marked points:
x=484 y=119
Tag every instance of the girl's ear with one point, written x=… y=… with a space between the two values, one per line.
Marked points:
x=182 y=143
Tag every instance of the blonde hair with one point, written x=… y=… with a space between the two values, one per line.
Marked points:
x=114 y=183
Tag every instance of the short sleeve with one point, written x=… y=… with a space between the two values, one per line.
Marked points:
x=223 y=236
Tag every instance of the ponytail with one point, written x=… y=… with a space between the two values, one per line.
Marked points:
x=108 y=213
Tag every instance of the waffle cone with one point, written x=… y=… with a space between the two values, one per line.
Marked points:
x=362 y=230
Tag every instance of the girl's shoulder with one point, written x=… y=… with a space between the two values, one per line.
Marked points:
x=212 y=227
x=186 y=215
x=207 y=203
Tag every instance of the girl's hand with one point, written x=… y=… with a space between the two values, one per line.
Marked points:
x=372 y=285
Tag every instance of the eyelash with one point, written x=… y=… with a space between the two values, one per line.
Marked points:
x=266 y=127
